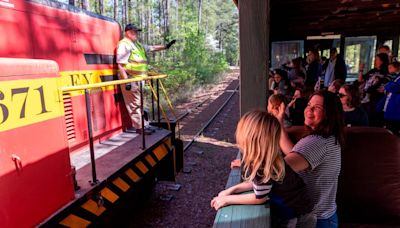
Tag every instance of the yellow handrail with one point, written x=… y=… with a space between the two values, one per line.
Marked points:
x=116 y=82
x=152 y=75
x=162 y=110
x=171 y=108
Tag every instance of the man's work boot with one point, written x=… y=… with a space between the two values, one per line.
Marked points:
x=146 y=131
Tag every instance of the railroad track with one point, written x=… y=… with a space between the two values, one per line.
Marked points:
x=199 y=113
x=211 y=124
x=199 y=132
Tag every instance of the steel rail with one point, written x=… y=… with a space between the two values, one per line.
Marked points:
x=211 y=119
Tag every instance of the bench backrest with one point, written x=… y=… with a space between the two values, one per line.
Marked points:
x=369 y=183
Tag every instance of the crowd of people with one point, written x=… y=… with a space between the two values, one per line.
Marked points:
x=300 y=180
x=372 y=100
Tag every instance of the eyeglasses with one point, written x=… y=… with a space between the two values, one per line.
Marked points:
x=315 y=108
x=341 y=95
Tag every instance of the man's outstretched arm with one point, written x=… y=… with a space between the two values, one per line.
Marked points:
x=155 y=48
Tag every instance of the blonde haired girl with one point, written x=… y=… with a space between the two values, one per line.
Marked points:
x=255 y=136
x=266 y=174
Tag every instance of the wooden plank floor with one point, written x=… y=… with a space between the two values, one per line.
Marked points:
x=118 y=156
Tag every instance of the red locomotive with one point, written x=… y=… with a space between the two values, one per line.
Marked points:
x=46 y=45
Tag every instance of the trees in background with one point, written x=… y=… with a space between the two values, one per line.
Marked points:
x=206 y=30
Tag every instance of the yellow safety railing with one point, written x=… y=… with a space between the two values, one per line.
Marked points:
x=116 y=82
x=160 y=107
x=169 y=104
x=151 y=76
x=170 y=107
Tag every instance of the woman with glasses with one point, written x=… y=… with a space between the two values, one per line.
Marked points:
x=335 y=85
x=354 y=115
x=317 y=156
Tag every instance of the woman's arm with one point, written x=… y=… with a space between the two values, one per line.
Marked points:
x=285 y=142
x=296 y=162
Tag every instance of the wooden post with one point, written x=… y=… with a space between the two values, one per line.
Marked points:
x=342 y=47
x=395 y=46
x=254 y=54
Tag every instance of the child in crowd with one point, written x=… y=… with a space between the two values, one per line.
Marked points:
x=266 y=173
x=274 y=101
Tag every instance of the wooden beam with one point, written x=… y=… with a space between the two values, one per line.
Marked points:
x=395 y=45
x=254 y=54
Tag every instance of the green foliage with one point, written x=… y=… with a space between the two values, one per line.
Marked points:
x=197 y=64
x=201 y=60
x=206 y=45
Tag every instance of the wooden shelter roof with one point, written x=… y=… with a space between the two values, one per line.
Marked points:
x=292 y=19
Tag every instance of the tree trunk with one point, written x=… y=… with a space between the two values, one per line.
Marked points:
x=177 y=16
x=125 y=10
x=142 y=20
x=85 y=4
x=199 y=17
x=101 y=7
x=166 y=20
x=160 y=18
x=116 y=10
x=149 y=22
x=206 y=15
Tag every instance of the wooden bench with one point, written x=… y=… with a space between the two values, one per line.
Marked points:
x=241 y=215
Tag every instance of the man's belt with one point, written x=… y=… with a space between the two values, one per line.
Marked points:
x=136 y=73
x=138 y=62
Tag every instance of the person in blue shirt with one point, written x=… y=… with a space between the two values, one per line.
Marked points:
x=390 y=104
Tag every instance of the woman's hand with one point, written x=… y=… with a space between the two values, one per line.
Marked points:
x=281 y=113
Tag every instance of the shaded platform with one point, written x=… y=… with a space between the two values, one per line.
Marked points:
x=121 y=166
x=111 y=155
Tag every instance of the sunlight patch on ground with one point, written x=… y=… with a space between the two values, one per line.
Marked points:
x=215 y=142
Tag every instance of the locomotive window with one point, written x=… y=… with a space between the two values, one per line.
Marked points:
x=99 y=59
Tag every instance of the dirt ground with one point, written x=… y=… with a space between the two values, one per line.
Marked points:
x=206 y=162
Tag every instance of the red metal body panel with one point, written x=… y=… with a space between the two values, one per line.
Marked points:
x=40 y=31
x=35 y=169
x=41 y=184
